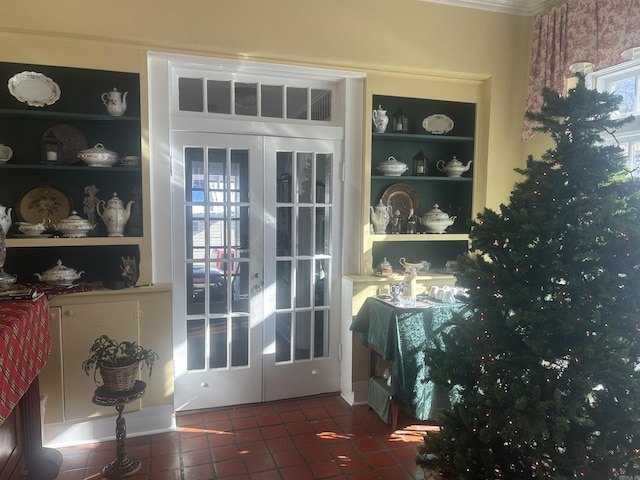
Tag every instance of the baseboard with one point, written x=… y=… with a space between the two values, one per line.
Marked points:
x=143 y=422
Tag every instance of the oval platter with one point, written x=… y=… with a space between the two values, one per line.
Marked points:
x=437 y=124
x=34 y=89
x=402 y=197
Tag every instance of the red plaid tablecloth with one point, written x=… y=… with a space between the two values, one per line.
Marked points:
x=25 y=346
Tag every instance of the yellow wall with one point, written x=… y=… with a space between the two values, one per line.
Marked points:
x=365 y=35
x=378 y=37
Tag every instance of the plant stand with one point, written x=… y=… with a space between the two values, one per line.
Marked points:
x=122 y=466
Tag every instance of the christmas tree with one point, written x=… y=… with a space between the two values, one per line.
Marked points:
x=544 y=371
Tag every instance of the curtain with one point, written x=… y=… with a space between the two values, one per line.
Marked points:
x=593 y=31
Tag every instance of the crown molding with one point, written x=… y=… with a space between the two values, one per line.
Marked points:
x=516 y=7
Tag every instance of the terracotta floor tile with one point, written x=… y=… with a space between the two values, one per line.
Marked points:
x=288 y=458
x=196 y=457
x=305 y=439
x=281 y=444
x=243 y=423
x=226 y=468
x=316 y=454
x=195 y=443
x=274 y=431
x=165 y=462
x=258 y=463
x=325 y=469
x=199 y=472
x=297 y=472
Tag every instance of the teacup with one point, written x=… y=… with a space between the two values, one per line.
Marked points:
x=130 y=161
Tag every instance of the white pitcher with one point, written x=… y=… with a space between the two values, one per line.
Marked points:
x=5 y=219
x=380 y=119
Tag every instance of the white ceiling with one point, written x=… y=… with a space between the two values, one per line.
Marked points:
x=517 y=7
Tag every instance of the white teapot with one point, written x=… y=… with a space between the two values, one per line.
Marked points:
x=454 y=168
x=436 y=221
x=114 y=214
x=115 y=101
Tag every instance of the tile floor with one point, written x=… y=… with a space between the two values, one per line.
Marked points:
x=301 y=439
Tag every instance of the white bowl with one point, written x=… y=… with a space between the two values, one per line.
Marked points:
x=31 y=229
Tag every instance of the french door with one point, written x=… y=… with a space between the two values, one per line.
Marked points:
x=254 y=229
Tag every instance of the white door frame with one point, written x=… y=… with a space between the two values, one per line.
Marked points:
x=159 y=71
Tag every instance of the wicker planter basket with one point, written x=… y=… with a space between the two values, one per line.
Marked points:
x=119 y=379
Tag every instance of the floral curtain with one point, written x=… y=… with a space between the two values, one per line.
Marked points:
x=593 y=31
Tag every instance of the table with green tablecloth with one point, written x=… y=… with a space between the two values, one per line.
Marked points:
x=401 y=335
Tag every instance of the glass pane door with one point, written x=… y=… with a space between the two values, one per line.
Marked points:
x=301 y=332
x=220 y=263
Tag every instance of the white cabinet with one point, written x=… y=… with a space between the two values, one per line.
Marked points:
x=76 y=320
x=81 y=325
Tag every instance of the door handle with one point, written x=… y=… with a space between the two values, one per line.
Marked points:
x=257 y=288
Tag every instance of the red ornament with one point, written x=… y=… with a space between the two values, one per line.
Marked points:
x=444 y=473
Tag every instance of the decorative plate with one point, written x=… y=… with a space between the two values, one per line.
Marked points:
x=43 y=201
x=72 y=140
x=34 y=89
x=437 y=124
x=401 y=197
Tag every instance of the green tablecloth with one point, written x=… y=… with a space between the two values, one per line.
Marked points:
x=401 y=335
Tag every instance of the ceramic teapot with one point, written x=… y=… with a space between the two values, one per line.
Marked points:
x=454 y=168
x=436 y=221
x=5 y=219
x=380 y=120
x=114 y=215
x=59 y=275
x=380 y=216
x=115 y=101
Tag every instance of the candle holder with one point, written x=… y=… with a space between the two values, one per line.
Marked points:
x=400 y=122
x=51 y=149
x=420 y=164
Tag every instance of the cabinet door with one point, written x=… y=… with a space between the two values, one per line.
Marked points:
x=81 y=325
x=51 y=375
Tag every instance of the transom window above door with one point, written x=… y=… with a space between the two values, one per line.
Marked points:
x=271 y=99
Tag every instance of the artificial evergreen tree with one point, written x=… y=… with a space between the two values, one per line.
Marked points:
x=544 y=370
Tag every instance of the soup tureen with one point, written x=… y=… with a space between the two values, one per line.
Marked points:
x=59 y=275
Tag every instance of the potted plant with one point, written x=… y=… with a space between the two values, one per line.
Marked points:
x=118 y=362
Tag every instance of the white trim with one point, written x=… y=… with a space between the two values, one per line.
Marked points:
x=348 y=106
